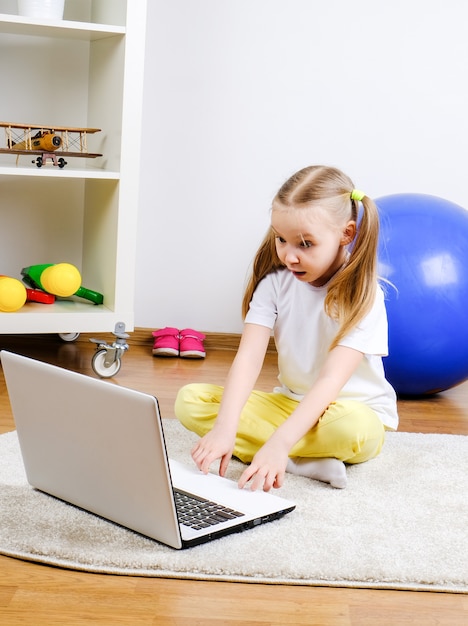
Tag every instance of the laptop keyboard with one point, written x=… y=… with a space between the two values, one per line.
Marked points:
x=198 y=513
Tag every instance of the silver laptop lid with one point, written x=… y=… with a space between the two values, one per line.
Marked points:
x=93 y=444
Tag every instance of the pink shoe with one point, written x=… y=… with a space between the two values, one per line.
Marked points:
x=191 y=344
x=166 y=342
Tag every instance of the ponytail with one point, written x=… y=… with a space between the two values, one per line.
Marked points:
x=352 y=291
x=266 y=261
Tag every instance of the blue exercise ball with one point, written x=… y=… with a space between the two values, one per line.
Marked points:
x=423 y=254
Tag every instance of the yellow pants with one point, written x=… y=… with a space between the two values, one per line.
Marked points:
x=349 y=431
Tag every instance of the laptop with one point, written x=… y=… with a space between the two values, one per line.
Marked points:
x=101 y=447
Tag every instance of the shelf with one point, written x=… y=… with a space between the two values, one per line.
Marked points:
x=61 y=317
x=51 y=171
x=85 y=71
x=87 y=31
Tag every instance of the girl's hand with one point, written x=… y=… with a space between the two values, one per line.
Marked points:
x=267 y=468
x=217 y=444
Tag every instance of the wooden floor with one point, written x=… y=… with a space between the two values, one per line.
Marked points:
x=37 y=595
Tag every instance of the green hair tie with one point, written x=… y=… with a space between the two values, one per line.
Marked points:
x=357 y=194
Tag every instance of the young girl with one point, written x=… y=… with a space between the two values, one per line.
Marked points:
x=314 y=283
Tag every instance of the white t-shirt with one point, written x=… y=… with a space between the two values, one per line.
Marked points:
x=303 y=333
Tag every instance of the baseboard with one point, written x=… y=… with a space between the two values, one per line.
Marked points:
x=143 y=337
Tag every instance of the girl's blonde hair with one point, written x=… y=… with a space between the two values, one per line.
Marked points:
x=351 y=292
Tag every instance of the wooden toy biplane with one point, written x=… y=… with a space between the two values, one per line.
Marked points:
x=47 y=142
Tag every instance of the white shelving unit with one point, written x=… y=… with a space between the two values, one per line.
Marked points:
x=84 y=71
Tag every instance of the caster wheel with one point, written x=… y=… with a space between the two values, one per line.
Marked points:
x=61 y=162
x=69 y=336
x=100 y=368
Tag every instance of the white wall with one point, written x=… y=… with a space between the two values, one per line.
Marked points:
x=241 y=93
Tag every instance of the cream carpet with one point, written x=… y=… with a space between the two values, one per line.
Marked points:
x=402 y=523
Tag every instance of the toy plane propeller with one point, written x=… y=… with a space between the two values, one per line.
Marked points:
x=47 y=142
